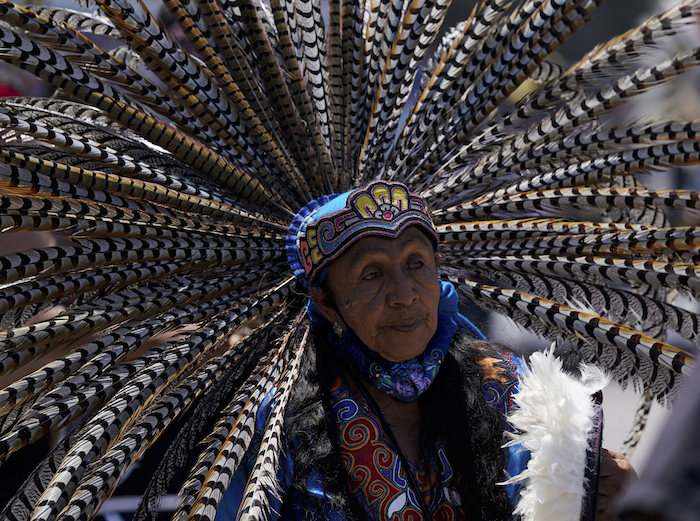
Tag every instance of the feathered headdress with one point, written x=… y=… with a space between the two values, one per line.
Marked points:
x=158 y=183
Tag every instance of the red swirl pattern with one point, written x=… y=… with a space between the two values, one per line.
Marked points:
x=376 y=476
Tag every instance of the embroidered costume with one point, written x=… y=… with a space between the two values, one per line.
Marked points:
x=376 y=476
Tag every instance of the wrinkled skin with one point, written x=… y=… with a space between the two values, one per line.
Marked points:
x=387 y=291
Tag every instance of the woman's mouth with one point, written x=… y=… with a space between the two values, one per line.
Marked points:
x=406 y=327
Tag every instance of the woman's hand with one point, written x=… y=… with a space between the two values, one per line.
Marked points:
x=615 y=470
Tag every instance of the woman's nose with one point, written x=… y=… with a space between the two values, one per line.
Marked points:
x=402 y=291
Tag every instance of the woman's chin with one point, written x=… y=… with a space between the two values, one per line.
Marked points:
x=401 y=346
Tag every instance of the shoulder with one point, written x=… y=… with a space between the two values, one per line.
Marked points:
x=502 y=370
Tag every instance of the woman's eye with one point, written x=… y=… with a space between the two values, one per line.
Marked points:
x=417 y=264
x=371 y=275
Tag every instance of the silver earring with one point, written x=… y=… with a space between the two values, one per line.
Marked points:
x=337 y=329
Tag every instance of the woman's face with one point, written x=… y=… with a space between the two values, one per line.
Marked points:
x=387 y=291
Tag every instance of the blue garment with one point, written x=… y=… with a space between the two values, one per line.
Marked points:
x=405 y=380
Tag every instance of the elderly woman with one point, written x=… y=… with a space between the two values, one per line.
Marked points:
x=399 y=410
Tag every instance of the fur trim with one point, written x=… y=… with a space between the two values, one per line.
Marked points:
x=552 y=418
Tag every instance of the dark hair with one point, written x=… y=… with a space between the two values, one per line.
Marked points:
x=312 y=434
x=471 y=431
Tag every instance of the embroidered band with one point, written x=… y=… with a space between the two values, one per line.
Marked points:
x=382 y=208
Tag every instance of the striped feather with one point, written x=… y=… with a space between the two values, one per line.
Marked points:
x=106 y=424
x=253 y=124
x=285 y=22
x=398 y=75
x=104 y=473
x=587 y=142
x=613 y=54
x=313 y=46
x=455 y=61
x=77 y=20
x=518 y=59
x=605 y=332
x=112 y=73
x=272 y=75
x=263 y=479
x=229 y=441
x=640 y=312
x=21 y=505
x=337 y=99
x=641 y=416
x=676 y=275
x=204 y=412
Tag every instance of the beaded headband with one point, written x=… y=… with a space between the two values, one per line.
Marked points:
x=326 y=227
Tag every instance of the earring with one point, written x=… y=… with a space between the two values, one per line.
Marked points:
x=337 y=329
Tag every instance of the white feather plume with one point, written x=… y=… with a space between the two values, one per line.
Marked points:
x=552 y=418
